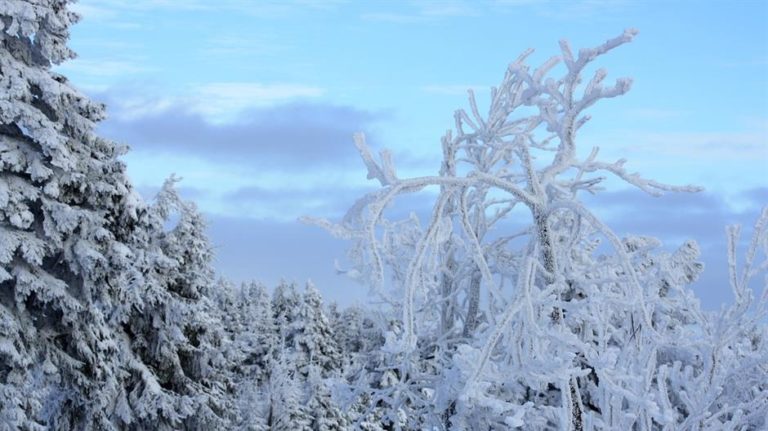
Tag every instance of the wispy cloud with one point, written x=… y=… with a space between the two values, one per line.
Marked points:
x=397 y=18
x=105 y=68
x=760 y=62
x=107 y=10
x=655 y=113
x=423 y=11
x=215 y=102
x=222 y=99
x=747 y=145
x=238 y=46
x=93 y=11
x=452 y=89
x=416 y=12
x=564 y=10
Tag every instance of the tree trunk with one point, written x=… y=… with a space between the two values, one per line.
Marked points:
x=447 y=311
x=550 y=264
x=474 y=303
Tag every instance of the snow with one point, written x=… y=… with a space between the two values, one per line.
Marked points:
x=111 y=316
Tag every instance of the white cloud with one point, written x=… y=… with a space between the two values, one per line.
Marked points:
x=104 y=68
x=564 y=10
x=447 y=8
x=92 y=10
x=130 y=107
x=747 y=145
x=422 y=11
x=236 y=45
x=760 y=62
x=217 y=102
x=222 y=100
x=453 y=89
x=397 y=18
x=108 y=10
x=656 y=113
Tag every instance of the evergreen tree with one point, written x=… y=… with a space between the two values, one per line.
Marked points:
x=348 y=331
x=254 y=346
x=258 y=338
x=176 y=370
x=326 y=415
x=65 y=210
x=313 y=341
x=287 y=411
x=285 y=302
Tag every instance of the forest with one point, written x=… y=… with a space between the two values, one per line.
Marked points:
x=509 y=306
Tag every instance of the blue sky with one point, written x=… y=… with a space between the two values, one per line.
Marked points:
x=253 y=103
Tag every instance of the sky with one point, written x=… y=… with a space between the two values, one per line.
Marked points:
x=254 y=103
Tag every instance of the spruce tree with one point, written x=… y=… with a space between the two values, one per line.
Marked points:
x=285 y=302
x=254 y=345
x=313 y=340
x=287 y=411
x=176 y=370
x=104 y=320
x=326 y=414
x=259 y=337
x=65 y=204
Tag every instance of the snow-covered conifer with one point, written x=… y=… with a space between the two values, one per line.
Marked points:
x=65 y=209
x=258 y=337
x=285 y=303
x=313 y=341
x=176 y=369
x=326 y=414
x=288 y=411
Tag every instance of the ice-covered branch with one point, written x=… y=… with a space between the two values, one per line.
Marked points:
x=651 y=187
x=592 y=330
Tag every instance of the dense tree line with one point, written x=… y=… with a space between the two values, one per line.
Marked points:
x=112 y=318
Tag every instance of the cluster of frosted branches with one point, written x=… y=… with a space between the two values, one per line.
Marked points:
x=499 y=153
x=561 y=316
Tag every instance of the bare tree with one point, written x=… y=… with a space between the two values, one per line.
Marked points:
x=543 y=290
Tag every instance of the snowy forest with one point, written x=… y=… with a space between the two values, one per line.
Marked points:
x=510 y=306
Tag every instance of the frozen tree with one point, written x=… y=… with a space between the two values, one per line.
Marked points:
x=250 y=353
x=348 y=329
x=258 y=336
x=176 y=370
x=326 y=414
x=225 y=296
x=65 y=210
x=538 y=328
x=288 y=412
x=246 y=313
x=285 y=303
x=313 y=341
